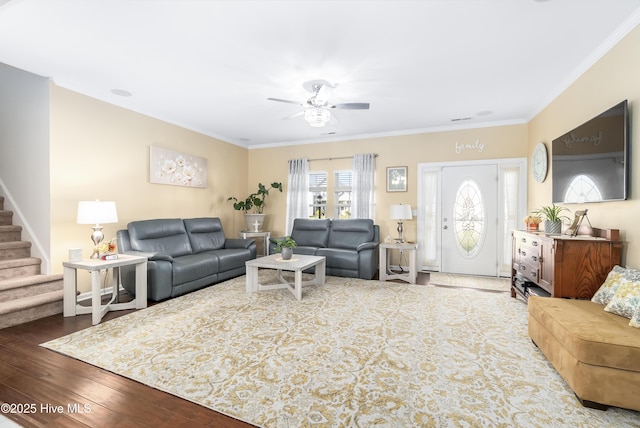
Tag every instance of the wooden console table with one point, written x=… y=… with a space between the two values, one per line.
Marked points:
x=561 y=265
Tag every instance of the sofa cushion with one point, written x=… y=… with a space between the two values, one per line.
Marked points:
x=587 y=332
x=626 y=300
x=349 y=234
x=307 y=251
x=616 y=276
x=233 y=258
x=167 y=236
x=339 y=258
x=193 y=267
x=205 y=234
x=311 y=233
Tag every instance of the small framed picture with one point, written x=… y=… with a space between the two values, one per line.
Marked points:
x=397 y=179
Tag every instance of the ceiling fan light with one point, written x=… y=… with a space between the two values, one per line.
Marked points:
x=317 y=117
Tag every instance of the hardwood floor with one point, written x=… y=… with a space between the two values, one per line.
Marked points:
x=57 y=391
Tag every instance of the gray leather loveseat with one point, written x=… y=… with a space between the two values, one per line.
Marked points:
x=351 y=247
x=183 y=255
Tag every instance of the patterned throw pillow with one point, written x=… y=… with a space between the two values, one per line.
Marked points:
x=616 y=277
x=626 y=300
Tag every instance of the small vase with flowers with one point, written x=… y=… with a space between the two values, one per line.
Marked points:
x=532 y=222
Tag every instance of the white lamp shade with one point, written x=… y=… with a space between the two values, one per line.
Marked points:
x=96 y=212
x=401 y=212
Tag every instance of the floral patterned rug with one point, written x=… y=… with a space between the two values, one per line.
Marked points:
x=352 y=353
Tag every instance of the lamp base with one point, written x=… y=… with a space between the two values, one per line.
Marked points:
x=97 y=236
x=400 y=229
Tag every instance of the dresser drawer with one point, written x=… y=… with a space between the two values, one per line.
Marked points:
x=529 y=272
x=528 y=241
x=529 y=255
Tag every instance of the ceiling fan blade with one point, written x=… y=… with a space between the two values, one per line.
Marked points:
x=351 y=106
x=285 y=101
x=291 y=116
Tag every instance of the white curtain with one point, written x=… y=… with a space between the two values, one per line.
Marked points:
x=297 y=192
x=363 y=190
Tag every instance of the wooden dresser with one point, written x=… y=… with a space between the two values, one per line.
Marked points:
x=563 y=266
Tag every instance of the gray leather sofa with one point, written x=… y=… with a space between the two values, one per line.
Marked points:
x=183 y=255
x=351 y=247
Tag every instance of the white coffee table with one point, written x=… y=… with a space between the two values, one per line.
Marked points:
x=297 y=264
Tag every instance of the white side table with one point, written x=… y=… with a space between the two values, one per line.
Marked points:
x=244 y=234
x=97 y=309
x=385 y=274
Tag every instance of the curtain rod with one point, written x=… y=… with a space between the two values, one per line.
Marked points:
x=375 y=155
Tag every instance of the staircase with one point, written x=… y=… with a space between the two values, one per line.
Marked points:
x=25 y=293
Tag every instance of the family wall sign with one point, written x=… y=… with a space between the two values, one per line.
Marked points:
x=461 y=147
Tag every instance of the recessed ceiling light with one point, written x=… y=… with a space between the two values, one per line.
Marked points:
x=484 y=113
x=121 y=92
x=460 y=118
x=246 y=140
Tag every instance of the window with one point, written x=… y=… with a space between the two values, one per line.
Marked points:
x=342 y=194
x=320 y=188
x=469 y=218
x=317 y=194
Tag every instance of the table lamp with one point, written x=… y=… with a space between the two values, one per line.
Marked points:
x=401 y=212
x=96 y=212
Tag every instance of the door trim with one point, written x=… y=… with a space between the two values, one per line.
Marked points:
x=436 y=167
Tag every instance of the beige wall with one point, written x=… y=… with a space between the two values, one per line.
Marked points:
x=612 y=79
x=270 y=164
x=100 y=151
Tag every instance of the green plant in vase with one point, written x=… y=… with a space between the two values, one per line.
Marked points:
x=256 y=201
x=553 y=217
x=253 y=205
x=285 y=246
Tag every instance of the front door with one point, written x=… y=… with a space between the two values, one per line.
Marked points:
x=469 y=220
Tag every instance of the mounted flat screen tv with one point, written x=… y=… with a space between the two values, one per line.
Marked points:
x=591 y=163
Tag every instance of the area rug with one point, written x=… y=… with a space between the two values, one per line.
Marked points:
x=490 y=283
x=352 y=353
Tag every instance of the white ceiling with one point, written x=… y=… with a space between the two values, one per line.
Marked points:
x=210 y=66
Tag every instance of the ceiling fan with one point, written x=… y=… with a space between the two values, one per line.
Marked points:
x=317 y=110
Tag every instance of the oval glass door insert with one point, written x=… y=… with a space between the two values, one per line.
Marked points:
x=469 y=214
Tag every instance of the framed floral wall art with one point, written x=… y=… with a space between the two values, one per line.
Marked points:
x=178 y=169
x=397 y=179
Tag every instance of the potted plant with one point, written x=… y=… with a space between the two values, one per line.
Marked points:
x=553 y=218
x=285 y=246
x=532 y=222
x=253 y=205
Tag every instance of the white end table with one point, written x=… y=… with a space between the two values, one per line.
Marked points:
x=296 y=264
x=94 y=266
x=244 y=234
x=386 y=274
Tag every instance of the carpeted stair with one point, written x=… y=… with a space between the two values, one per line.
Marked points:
x=25 y=293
